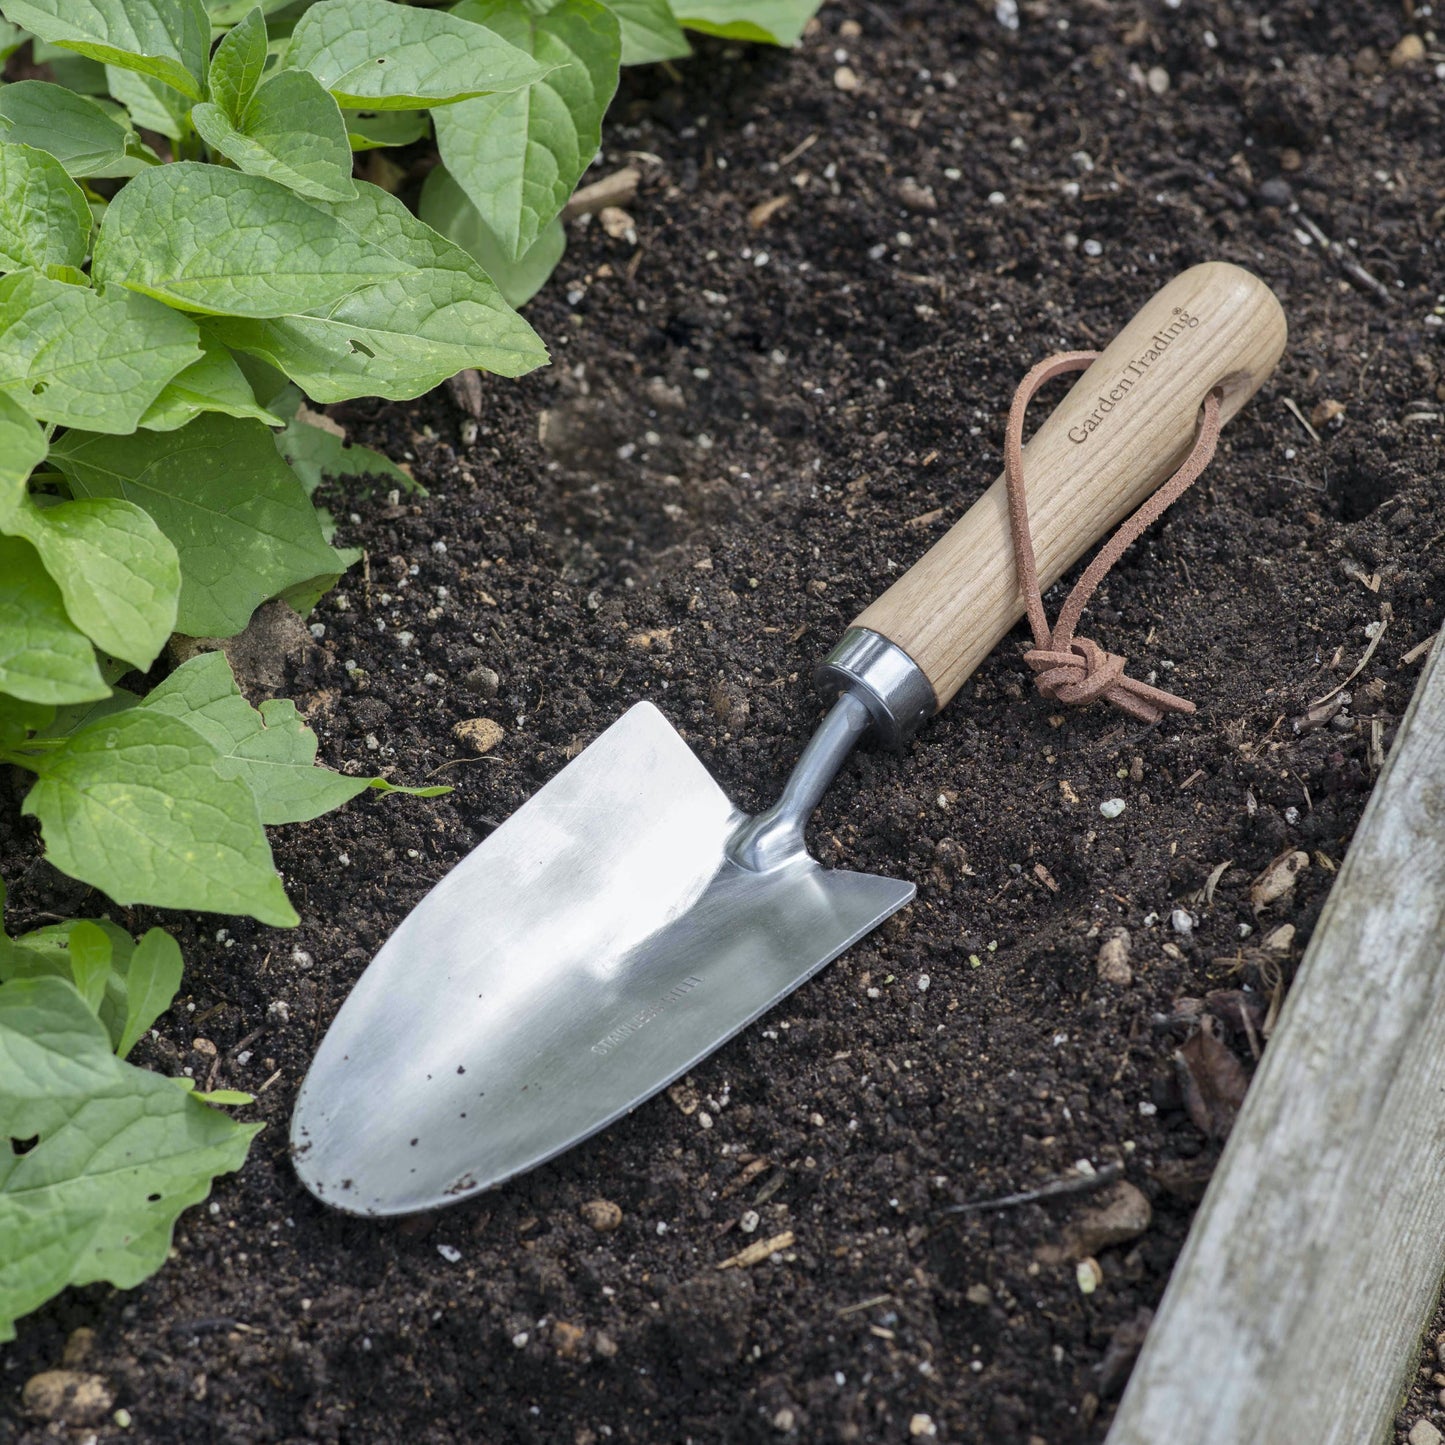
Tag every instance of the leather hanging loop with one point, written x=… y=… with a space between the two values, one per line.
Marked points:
x=1070 y=669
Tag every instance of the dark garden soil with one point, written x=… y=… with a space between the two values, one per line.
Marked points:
x=745 y=432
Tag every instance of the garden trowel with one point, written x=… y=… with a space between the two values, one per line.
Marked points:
x=629 y=919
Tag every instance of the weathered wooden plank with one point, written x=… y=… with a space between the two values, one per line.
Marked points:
x=1295 y=1310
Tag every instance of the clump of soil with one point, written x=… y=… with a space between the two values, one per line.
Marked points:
x=747 y=430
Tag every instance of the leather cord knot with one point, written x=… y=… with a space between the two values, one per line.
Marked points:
x=1075 y=670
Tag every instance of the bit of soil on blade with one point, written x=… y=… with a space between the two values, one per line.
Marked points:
x=759 y=414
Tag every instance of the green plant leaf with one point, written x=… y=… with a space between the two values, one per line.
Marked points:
x=89 y=963
x=121 y=1152
x=44 y=657
x=168 y=39
x=375 y=55
x=240 y=520
x=370 y=129
x=518 y=157
x=152 y=979
x=649 y=31
x=774 y=22
x=75 y=357
x=65 y=67
x=66 y=720
x=215 y=240
x=85 y=138
x=46 y=953
x=404 y=335
x=445 y=207
x=150 y=102
x=238 y=64
x=134 y=805
x=232 y=12
x=314 y=454
x=18 y=719
x=291 y=132
x=22 y=449
x=214 y=383
x=272 y=751
x=116 y=570
x=44 y=217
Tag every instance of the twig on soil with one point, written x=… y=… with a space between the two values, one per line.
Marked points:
x=1419 y=650
x=1293 y=407
x=757 y=1253
x=806 y=144
x=1344 y=260
x=1054 y=1189
x=245 y=1043
x=618 y=189
x=865 y=1304
x=883 y=17
x=1359 y=667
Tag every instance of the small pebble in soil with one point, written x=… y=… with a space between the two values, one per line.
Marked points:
x=1093 y=247
x=1278 y=880
x=71 y=1397
x=846 y=79
x=1422 y=1432
x=1112 y=807
x=279 y=1012
x=79 y=1347
x=1182 y=921
x=482 y=681
x=748 y=1221
x=1409 y=50
x=1122 y=1215
x=1112 y=964
x=301 y=958
x=520 y=1339
x=784 y=1420
x=1275 y=192
x=449 y=1252
x=601 y=1214
x=1089 y=1275
x=921 y=1427
x=480 y=734
x=923 y=982
x=1148 y=1109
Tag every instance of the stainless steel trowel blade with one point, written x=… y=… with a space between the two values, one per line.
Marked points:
x=593 y=949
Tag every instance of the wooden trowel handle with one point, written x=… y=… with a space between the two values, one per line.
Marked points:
x=1125 y=426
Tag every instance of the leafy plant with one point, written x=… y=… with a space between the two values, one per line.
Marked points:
x=186 y=255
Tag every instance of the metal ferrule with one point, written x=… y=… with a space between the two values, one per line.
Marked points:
x=894 y=688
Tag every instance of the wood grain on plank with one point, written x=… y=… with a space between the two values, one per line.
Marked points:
x=1295 y=1310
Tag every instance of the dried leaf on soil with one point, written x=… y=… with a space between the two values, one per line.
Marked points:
x=1213 y=1081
